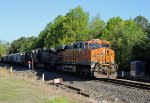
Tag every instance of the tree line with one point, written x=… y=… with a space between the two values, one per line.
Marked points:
x=128 y=38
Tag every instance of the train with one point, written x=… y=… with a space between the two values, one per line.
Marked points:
x=87 y=58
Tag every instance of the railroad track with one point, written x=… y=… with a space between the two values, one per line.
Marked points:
x=128 y=84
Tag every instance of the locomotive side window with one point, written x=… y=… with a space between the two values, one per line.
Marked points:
x=75 y=46
x=85 y=46
x=80 y=45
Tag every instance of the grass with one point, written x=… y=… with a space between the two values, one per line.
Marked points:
x=57 y=100
x=14 y=90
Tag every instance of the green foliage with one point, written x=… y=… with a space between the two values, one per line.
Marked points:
x=3 y=47
x=76 y=24
x=143 y=23
x=67 y=29
x=22 y=44
x=123 y=35
x=96 y=26
x=141 y=51
x=39 y=42
x=54 y=32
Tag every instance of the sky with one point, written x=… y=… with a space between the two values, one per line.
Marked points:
x=25 y=18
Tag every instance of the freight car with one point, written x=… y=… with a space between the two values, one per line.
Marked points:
x=17 y=58
x=89 y=58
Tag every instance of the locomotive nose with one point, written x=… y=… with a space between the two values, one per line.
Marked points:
x=107 y=56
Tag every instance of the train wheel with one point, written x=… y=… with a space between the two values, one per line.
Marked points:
x=81 y=71
x=96 y=70
x=108 y=72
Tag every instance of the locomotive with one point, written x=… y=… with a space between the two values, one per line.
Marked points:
x=88 y=58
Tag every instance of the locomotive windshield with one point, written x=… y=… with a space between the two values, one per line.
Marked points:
x=105 y=45
x=96 y=45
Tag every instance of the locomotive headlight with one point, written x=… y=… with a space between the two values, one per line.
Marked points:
x=112 y=62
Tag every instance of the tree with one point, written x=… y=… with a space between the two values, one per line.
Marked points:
x=143 y=23
x=3 y=47
x=123 y=35
x=39 y=42
x=22 y=44
x=28 y=44
x=141 y=51
x=67 y=29
x=54 y=31
x=76 y=24
x=96 y=26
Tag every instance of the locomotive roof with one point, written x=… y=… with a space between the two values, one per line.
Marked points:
x=60 y=47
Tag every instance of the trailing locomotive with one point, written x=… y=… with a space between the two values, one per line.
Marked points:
x=89 y=58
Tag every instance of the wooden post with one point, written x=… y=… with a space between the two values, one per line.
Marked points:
x=11 y=70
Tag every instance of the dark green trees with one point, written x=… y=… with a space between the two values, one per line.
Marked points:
x=141 y=51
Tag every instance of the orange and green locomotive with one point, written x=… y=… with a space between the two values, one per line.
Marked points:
x=90 y=58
